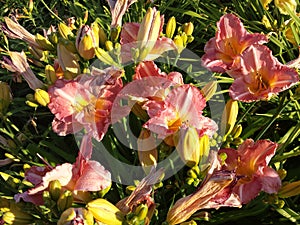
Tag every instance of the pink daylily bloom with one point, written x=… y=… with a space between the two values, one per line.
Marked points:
x=118 y=9
x=231 y=39
x=250 y=162
x=135 y=36
x=260 y=75
x=182 y=107
x=84 y=102
x=150 y=69
x=18 y=64
x=84 y=175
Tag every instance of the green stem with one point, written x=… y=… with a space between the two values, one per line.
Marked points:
x=247 y=111
x=282 y=105
x=51 y=11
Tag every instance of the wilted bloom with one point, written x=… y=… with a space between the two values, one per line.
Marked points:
x=77 y=177
x=284 y=5
x=142 y=195
x=231 y=39
x=118 y=9
x=260 y=75
x=86 y=42
x=14 y=30
x=5 y=97
x=182 y=107
x=84 y=102
x=105 y=212
x=145 y=37
x=250 y=162
x=214 y=192
x=18 y=64
x=76 y=216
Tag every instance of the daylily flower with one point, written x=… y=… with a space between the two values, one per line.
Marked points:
x=250 y=162
x=231 y=39
x=182 y=107
x=118 y=9
x=148 y=83
x=260 y=75
x=77 y=177
x=145 y=37
x=84 y=102
x=14 y=30
x=18 y=64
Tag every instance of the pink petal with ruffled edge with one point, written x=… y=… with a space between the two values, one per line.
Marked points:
x=231 y=39
x=261 y=76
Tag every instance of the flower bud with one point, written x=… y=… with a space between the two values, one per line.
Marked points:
x=209 y=89
x=53 y=37
x=5 y=97
x=102 y=36
x=86 y=42
x=68 y=61
x=65 y=201
x=289 y=190
x=171 y=27
x=105 y=212
x=55 y=189
x=192 y=222
x=76 y=216
x=42 y=97
x=65 y=31
x=109 y=46
x=179 y=43
x=114 y=33
x=204 y=149
x=147 y=151
x=188 y=146
x=44 y=43
x=229 y=117
x=283 y=5
x=188 y=28
x=236 y=131
x=50 y=74
x=141 y=211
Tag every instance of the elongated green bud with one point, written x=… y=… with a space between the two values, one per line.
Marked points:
x=141 y=211
x=54 y=189
x=65 y=201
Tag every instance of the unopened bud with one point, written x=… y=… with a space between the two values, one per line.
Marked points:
x=289 y=190
x=65 y=201
x=102 y=36
x=209 y=89
x=5 y=97
x=229 y=116
x=141 y=211
x=105 y=212
x=188 y=28
x=171 y=27
x=188 y=146
x=109 y=46
x=65 y=31
x=86 y=42
x=44 y=43
x=179 y=43
x=114 y=33
x=147 y=151
x=42 y=97
x=55 y=189
x=50 y=74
